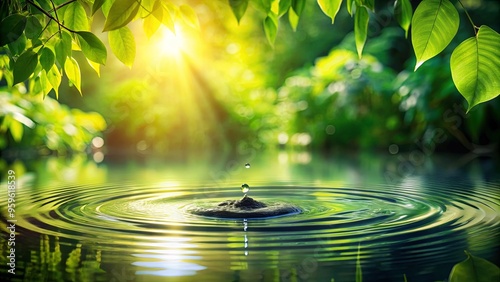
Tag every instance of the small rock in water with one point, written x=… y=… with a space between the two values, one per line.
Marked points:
x=245 y=188
x=245 y=203
x=246 y=207
x=247 y=165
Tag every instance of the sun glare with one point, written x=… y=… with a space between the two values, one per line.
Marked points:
x=171 y=44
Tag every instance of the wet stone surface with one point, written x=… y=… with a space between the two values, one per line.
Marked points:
x=243 y=203
x=246 y=207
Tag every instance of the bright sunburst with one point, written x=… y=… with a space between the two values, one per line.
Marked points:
x=171 y=44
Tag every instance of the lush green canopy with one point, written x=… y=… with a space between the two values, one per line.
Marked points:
x=44 y=43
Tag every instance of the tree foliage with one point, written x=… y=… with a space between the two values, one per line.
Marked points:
x=39 y=39
x=433 y=26
x=37 y=35
x=51 y=125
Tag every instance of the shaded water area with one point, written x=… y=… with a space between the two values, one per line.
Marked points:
x=128 y=220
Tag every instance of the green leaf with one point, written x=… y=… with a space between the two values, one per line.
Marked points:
x=263 y=5
x=95 y=66
x=25 y=65
x=434 y=25
x=148 y=6
x=293 y=19
x=157 y=10
x=62 y=47
x=239 y=8
x=33 y=28
x=18 y=46
x=167 y=19
x=54 y=78
x=475 y=67
x=189 y=16
x=152 y=23
x=16 y=130
x=6 y=67
x=72 y=71
x=122 y=44
x=403 y=13
x=284 y=6
x=106 y=6
x=298 y=6
x=92 y=47
x=47 y=58
x=474 y=269
x=75 y=17
x=36 y=43
x=35 y=86
x=42 y=85
x=361 y=28
x=370 y=4
x=349 y=4
x=330 y=7
x=271 y=27
x=121 y=13
x=97 y=4
x=11 y=28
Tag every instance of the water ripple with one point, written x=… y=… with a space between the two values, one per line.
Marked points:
x=417 y=223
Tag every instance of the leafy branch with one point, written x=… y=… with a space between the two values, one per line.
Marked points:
x=433 y=24
x=474 y=64
x=55 y=19
x=61 y=5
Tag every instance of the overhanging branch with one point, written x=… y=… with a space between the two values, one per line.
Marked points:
x=50 y=16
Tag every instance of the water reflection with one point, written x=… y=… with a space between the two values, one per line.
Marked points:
x=174 y=257
x=78 y=219
x=50 y=260
x=245 y=240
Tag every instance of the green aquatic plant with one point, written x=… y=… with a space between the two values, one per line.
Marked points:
x=359 y=272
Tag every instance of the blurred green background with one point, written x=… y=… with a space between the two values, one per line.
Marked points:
x=224 y=88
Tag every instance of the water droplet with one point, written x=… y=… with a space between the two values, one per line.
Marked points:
x=245 y=188
x=247 y=165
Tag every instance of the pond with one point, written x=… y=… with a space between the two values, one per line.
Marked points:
x=383 y=217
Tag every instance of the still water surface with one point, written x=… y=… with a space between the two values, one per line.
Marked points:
x=128 y=220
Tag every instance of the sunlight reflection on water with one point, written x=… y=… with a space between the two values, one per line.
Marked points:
x=419 y=226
